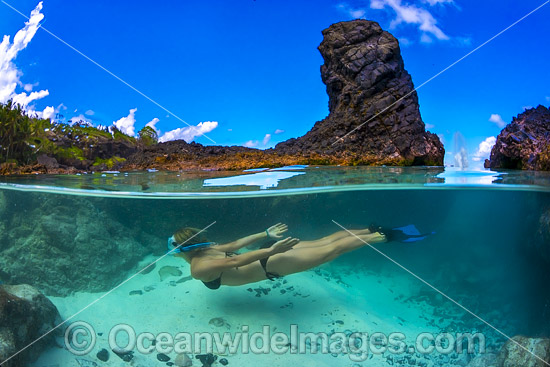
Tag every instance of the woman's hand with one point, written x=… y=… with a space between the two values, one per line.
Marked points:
x=277 y=230
x=284 y=245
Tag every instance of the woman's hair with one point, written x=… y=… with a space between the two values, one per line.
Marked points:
x=189 y=236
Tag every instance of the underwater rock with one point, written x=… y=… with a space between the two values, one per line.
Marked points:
x=70 y=244
x=163 y=357
x=148 y=268
x=512 y=355
x=169 y=271
x=483 y=360
x=224 y=361
x=183 y=360
x=206 y=359
x=184 y=279
x=25 y=315
x=542 y=241
x=125 y=356
x=365 y=77
x=524 y=143
x=103 y=355
x=137 y=292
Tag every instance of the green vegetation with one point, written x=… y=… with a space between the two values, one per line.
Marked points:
x=148 y=136
x=110 y=162
x=23 y=138
x=17 y=132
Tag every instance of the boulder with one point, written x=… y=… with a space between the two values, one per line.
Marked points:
x=25 y=315
x=524 y=143
x=513 y=355
x=48 y=162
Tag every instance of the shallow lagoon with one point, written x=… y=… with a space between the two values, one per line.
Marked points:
x=77 y=237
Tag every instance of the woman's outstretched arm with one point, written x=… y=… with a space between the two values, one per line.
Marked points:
x=205 y=269
x=275 y=232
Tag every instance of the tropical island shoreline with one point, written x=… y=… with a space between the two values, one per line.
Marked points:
x=374 y=120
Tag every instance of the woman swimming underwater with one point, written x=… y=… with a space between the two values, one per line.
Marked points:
x=217 y=265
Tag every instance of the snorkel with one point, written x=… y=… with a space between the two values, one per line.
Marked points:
x=176 y=248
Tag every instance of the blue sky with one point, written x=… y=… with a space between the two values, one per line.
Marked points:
x=248 y=71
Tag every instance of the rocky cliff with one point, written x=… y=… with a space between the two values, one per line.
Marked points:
x=524 y=143
x=372 y=103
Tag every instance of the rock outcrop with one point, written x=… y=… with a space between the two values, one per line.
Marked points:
x=372 y=103
x=524 y=143
x=514 y=355
x=25 y=315
x=66 y=244
x=373 y=109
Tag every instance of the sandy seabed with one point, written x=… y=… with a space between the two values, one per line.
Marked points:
x=315 y=301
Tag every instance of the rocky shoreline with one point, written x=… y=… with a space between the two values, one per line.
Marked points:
x=374 y=119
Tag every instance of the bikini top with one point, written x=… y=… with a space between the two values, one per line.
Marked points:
x=216 y=283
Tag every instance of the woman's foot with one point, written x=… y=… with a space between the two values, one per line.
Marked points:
x=371 y=238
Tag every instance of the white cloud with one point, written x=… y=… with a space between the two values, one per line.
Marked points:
x=89 y=113
x=353 y=13
x=404 y=41
x=497 y=119
x=81 y=119
x=435 y=2
x=260 y=144
x=9 y=73
x=48 y=113
x=189 y=133
x=24 y=99
x=126 y=124
x=430 y=126
x=424 y=38
x=229 y=129
x=360 y=13
x=279 y=131
x=484 y=149
x=411 y=14
x=153 y=124
x=547 y=98
x=29 y=87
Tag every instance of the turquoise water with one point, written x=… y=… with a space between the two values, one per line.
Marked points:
x=483 y=268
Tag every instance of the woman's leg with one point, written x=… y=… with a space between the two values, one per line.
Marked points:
x=331 y=238
x=304 y=258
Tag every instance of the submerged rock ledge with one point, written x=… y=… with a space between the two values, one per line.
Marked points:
x=374 y=119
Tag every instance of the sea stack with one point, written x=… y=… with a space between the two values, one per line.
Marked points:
x=374 y=115
x=524 y=143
